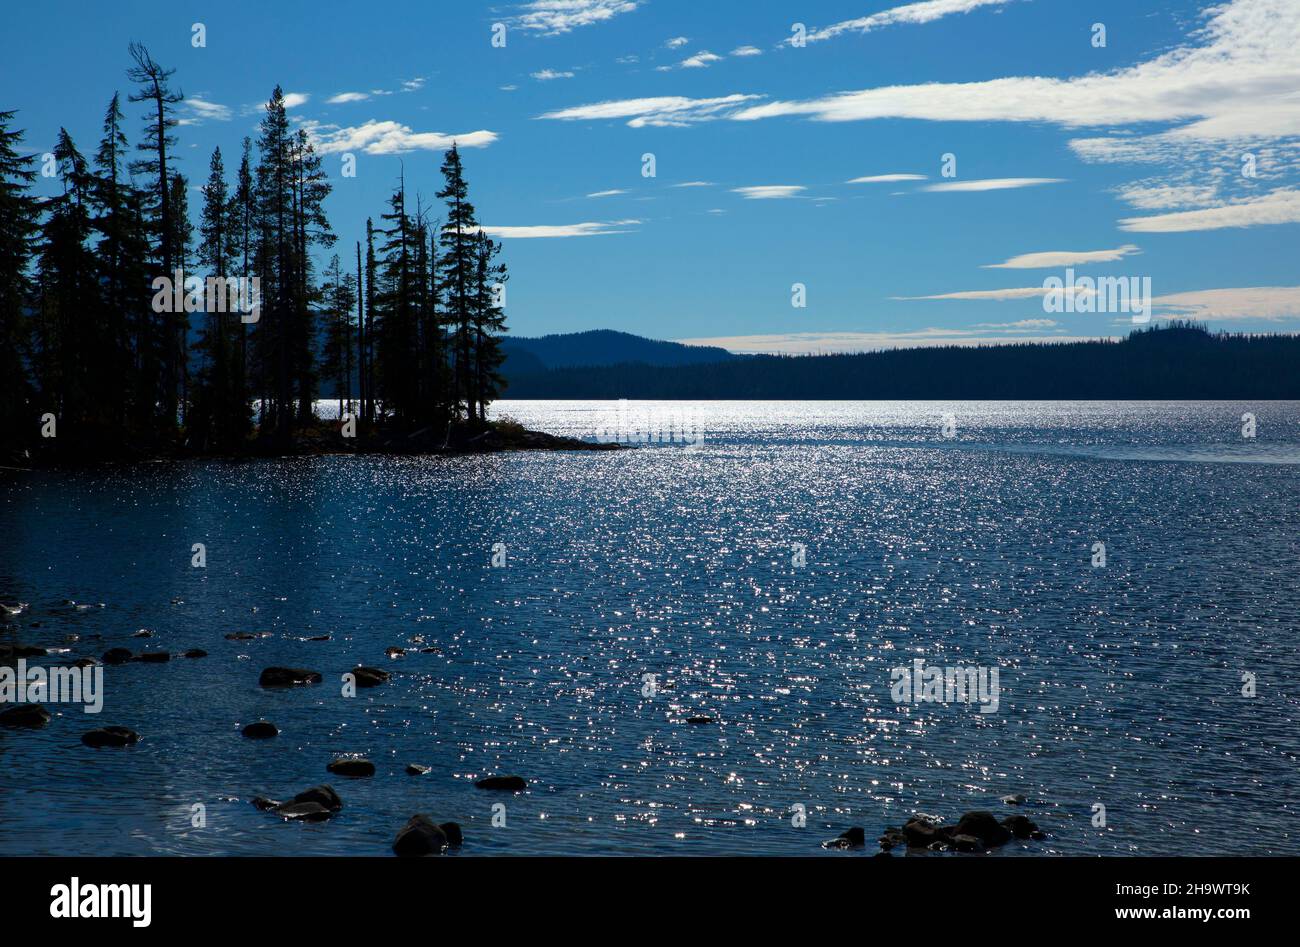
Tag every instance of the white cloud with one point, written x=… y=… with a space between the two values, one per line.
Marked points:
x=664 y=110
x=1055 y=259
x=347 y=97
x=886 y=178
x=1000 y=295
x=1281 y=206
x=295 y=99
x=1020 y=324
x=700 y=60
x=589 y=229
x=746 y=51
x=1240 y=82
x=1167 y=196
x=1271 y=303
x=204 y=109
x=763 y=192
x=694 y=184
x=677 y=41
x=990 y=184
x=609 y=193
x=807 y=343
x=413 y=85
x=389 y=138
x=551 y=17
x=547 y=74
x=923 y=12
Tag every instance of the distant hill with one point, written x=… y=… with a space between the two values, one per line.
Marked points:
x=1181 y=361
x=602 y=347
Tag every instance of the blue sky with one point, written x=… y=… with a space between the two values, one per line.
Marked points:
x=1120 y=160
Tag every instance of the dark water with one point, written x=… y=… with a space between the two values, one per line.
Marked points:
x=1119 y=685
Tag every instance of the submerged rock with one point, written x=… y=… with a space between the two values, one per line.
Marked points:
x=21 y=651
x=966 y=843
x=262 y=804
x=85 y=663
x=110 y=736
x=984 y=827
x=506 y=783
x=196 y=653
x=288 y=677
x=303 y=812
x=29 y=716
x=353 y=767
x=1015 y=800
x=152 y=657
x=417 y=769
x=974 y=832
x=324 y=794
x=699 y=719
x=369 y=677
x=452 y=831
x=143 y=633
x=117 y=656
x=1021 y=827
x=420 y=836
x=855 y=837
x=395 y=652
x=262 y=730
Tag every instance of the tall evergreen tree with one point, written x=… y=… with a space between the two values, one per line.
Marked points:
x=339 y=295
x=18 y=213
x=456 y=268
x=489 y=324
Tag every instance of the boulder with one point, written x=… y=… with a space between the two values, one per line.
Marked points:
x=395 y=652
x=196 y=653
x=288 y=677
x=262 y=804
x=417 y=769
x=117 y=656
x=324 y=794
x=21 y=651
x=143 y=633
x=420 y=836
x=966 y=843
x=318 y=638
x=303 y=812
x=921 y=833
x=262 y=730
x=699 y=719
x=855 y=837
x=892 y=838
x=1015 y=800
x=85 y=663
x=356 y=768
x=1021 y=827
x=369 y=677
x=506 y=783
x=110 y=736
x=28 y=716
x=983 y=826
x=452 y=831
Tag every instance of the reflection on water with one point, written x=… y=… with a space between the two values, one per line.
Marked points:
x=1119 y=685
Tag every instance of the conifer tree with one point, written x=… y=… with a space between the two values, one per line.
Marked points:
x=18 y=212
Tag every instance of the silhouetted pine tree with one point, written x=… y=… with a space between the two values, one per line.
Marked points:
x=339 y=295
x=456 y=267
x=489 y=324
x=18 y=212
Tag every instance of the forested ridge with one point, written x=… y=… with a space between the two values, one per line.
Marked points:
x=99 y=358
x=1181 y=361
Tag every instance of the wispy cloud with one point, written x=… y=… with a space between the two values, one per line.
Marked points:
x=540 y=231
x=1268 y=303
x=610 y=193
x=657 y=111
x=551 y=17
x=990 y=184
x=1281 y=206
x=203 y=109
x=746 y=51
x=700 y=60
x=764 y=192
x=1059 y=258
x=923 y=12
x=694 y=184
x=389 y=138
x=886 y=178
x=343 y=97
x=807 y=343
x=294 y=99
x=677 y=42
x=1001 y=295
x=547 y=75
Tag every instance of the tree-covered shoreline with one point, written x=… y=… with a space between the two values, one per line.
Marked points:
x=98 y=360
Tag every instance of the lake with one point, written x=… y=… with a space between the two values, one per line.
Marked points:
x=768 y=571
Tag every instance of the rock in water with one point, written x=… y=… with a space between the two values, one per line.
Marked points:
x=29 y=716
x=110 y=736
x=352 y=767
x=452 y=831
x=507 y=783
x=324 y=794
x=369 y=677
x=152 y=657
x=303 y=812
x=117 y=656
x=1021 y=827
x=855 y=837
x=420 y=836
x=262 y=804
x=699 y=719
x=1015 y=800
x=983 y=826
x=417 y=769
x=21 y=651
x=395 y=652
x=262 y=730
x=196 y=653
x=288 y=677
x=966 y=843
